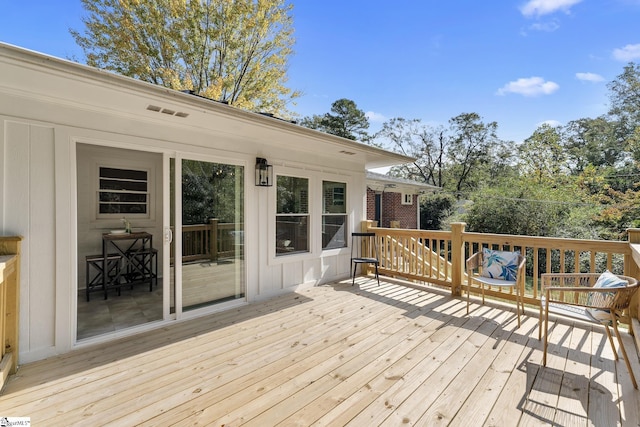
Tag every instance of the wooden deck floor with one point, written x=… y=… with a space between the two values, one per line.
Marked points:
x=336 y=355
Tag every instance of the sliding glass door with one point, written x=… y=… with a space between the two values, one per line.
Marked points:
x=207 y=221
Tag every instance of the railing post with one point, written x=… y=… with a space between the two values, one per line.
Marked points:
x=457 y=257
x=366 y=225
x=213 y=239
x=632 y=269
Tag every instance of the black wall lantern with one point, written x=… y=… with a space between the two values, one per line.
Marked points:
x=264 y=173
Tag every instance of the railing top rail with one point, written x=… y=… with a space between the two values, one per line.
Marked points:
x=621 y=247
x=549 y=242
x=412 y=232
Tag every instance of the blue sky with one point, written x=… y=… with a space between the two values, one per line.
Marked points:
x=517 y=62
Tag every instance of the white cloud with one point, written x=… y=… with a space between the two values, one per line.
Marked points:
x=530 y=86
x=589 y=77
x=628 y=53
x=375 y=117
x=545 y=7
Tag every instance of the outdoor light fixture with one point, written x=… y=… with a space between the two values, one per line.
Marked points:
x=264 y=173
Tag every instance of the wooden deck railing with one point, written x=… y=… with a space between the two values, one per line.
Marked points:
x=9 y=305
x=210 y=241
x=438 y=257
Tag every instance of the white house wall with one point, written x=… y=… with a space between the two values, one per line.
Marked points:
x=33 y=174
x=45 y=113
x=29 y=206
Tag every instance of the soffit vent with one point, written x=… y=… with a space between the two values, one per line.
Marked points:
x=167 y=111
x=348 y=153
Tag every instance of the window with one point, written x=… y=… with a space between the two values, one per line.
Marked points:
x=407 y=199
x=334 y=215
x=292 y=215
x=123 y=192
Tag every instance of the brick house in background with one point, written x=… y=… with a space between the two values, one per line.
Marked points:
x=393 y=202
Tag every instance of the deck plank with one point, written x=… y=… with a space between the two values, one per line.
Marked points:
x=630 y=398
x=367 y=365
x=507 y=407
x=98 y=367
x=217 y=362
x=395 y=373
x=324 y=377
x=336 y=355
x=480 y=401
x=603 y=393
x=430 y=390
x=329 y=342
x=448 y=339
x=452 y=398
x=542 y=398
x=573 y=401
x=421 y=329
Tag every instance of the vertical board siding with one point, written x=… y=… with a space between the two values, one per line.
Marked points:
x=30 y=212
x=42 y=291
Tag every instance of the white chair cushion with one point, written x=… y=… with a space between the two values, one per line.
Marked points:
x=495 y=282
x=606 y=280
x=566 y=310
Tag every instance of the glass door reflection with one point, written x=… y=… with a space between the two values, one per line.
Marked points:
x=212 y=233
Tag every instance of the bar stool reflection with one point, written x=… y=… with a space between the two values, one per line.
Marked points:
x=139 y=260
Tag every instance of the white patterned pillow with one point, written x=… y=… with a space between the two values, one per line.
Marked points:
x=606 y=280
x=500 y=264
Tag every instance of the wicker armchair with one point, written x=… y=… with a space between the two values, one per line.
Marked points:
x=573 y=295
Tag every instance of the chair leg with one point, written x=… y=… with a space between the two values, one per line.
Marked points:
x=624 y=354
x=353 y=282
x=377 y=276
x=540 y=323
x=546 y=332
x=613 y=347
x=87 y=280
x=518 y=302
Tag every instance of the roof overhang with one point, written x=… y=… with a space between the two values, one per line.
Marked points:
x=145 y=101
x=383 y=183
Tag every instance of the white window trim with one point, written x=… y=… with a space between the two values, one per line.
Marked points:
x=315 y=215
x=308 y=215
x=107 y=216
x=407 y=199
x=345 y=214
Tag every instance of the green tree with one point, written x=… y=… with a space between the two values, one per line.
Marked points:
x=620 y=211
x=542 y=155
x=625 y=106
x=428 y=145
x=471 y=149
x=591 y=142
x=230 y=51
x=210 y=190
x=434 y=209
x=345 y=120
x=520 y=207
